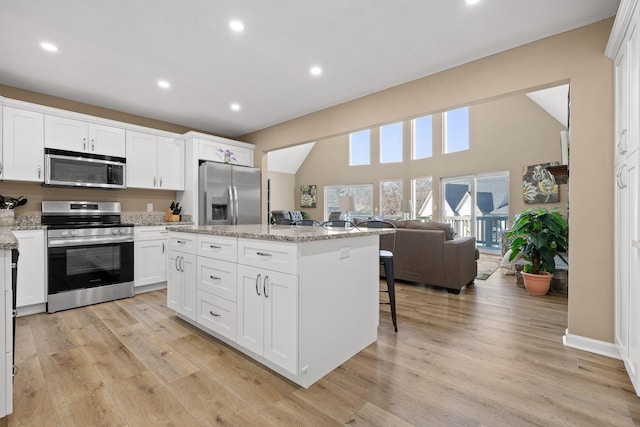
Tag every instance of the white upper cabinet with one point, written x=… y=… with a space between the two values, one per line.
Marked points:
x=170 y=163
x=80 y=136
x=23 y=145
x=154 y=162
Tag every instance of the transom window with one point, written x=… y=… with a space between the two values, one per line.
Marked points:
x=391 y=143
x=422 y=137
x=456 y=130
x=360 y=148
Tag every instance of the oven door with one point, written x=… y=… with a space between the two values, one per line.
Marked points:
x=88 y=266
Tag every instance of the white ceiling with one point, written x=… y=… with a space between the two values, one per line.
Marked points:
x=111 y=53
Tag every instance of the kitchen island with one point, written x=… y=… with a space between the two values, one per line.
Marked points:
x=299 y=300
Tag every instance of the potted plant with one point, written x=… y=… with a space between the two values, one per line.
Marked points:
x=539 y=235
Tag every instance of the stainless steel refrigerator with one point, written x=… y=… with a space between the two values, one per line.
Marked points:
x=229 y=194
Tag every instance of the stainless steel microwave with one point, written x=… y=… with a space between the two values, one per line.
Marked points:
x=72 y=169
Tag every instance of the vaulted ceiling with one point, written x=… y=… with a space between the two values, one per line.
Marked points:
x=113 y=53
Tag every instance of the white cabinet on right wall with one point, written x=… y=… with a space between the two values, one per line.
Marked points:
x=154 y=162
x=624 y=49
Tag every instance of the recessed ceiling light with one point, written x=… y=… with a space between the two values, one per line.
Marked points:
x=236 y=26
x=164 y=84
x=235 y=106
x=472 y=1
x=49 y=46
x=315 y=70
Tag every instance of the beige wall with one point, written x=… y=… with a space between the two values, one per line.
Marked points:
x=501 y=131
x=576 y=56
x=283 y=191
x=131 y=199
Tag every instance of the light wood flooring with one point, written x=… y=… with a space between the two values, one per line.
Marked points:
x=490 y=356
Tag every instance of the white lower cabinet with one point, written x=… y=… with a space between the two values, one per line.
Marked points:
x=6 y=335
x=217 y=314
x=268 y=315
x=181 y=289
x=150 y=256
x=32 y=285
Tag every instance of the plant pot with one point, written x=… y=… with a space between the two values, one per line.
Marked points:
x=537 y=284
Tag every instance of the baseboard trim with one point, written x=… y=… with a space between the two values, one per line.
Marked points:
x=590 y=345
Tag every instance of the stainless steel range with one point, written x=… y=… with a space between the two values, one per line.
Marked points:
x=89 y=253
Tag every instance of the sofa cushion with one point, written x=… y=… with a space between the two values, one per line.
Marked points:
x=432 y=225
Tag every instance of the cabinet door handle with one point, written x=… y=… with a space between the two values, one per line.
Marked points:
x=38 y=171
x=181 y=263
x=181 y=242
x=621 y=148
x=265 y=283
x=154 y=181
x=258 y=284
x=162 y=247
x=215 y=278
x=84 y=143
x=93 y=145
x=214 y=314
x=623 y=185
x=177 y=258
x=263 y=254
x=215 y=247
x=160 y=182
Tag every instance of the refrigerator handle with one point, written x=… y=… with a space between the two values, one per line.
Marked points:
x=207 y=209
x=235 y=209
x=232 y=213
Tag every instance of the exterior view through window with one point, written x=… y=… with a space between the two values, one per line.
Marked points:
x=391 y=198
x=456 y=130
x=422 y=200
x=391 y=143
x=362 y=195
x=422 y=137
x=360 y=148
x=477 y=205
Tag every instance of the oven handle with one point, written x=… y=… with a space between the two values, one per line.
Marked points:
x=89 y=241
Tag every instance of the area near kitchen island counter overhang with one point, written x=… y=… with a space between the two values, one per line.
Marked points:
x=299 y=300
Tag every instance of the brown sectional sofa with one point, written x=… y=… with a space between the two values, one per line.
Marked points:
x=426 y=252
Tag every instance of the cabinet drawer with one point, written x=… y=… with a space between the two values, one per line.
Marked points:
x=217 y=277
x=218 y=247
x=217 y=314
x=182 y=242
x=276 y=256
x=150 y=233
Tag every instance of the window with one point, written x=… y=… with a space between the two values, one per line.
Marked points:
x=391 y=198
x=360 y=148
x=422 y=137
x=422 y=201
x=391 y=143
x=456 y=130
x=477 y=205
x=362 y=195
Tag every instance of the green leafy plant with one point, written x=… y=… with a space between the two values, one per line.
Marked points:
x=539 y=235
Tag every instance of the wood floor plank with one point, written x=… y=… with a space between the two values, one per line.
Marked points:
x=492 y=355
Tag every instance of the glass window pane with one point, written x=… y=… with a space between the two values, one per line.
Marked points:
x=422 y=201
x=363 y=198
x=456 y=130
x=391 y=143
x=360 y=148
x=492 y=213
x=457 y=205
x=422 y=137
x=390 y=199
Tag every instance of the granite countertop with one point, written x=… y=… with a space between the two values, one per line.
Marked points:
x=289 y=233
x=7 y=239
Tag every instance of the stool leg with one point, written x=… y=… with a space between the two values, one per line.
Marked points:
x=391 y=287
